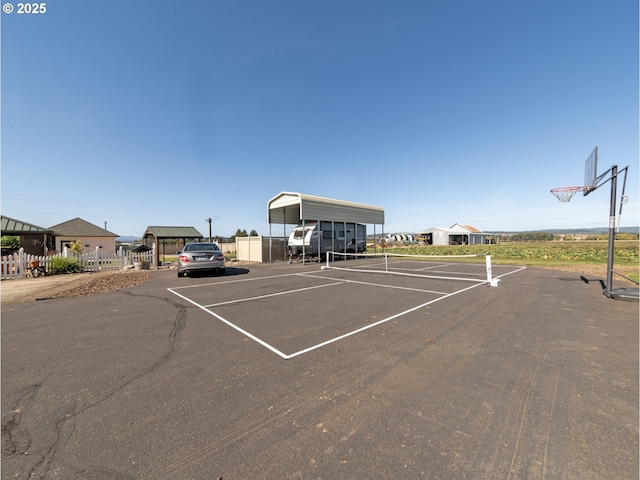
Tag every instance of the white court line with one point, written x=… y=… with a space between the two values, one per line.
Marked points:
x=333 y=340
x=377 y=284
x=275 y=294
x=438 y=277
x=379 y=322
x=234 y=281
x=232 y=325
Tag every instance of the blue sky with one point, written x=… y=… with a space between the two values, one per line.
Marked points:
x=140 y=113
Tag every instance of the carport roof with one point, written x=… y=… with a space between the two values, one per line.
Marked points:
x=292 y=208
x=11 y=226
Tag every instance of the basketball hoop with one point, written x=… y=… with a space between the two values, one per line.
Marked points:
x=564 y=194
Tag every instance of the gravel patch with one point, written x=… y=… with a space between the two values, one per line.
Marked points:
x=105 y=283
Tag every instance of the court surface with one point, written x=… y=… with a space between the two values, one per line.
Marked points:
x=384 y=377
x=295 y=313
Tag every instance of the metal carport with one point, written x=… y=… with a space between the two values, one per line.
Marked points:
x=290 y=208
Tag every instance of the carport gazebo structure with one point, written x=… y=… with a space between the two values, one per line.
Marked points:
x=290 y=208
x=34 y=239
x=160 y=234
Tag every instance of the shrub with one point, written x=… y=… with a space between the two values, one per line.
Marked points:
x=59 y=266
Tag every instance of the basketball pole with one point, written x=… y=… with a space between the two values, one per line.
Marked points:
x=612 y=230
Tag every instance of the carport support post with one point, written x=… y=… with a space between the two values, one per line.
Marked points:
x=319 y=228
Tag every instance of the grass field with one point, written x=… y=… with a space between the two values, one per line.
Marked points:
x=587 y=255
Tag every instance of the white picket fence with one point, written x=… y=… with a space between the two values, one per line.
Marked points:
x=17 y=265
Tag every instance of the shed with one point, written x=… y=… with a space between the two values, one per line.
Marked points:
x=434 y=236
x=465 y=235
x=160 y=236
x=290 y=208
x=34 y=239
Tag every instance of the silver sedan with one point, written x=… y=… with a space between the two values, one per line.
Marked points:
x=200 y=257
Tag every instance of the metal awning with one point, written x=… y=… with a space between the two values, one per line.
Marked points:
x=291 y=208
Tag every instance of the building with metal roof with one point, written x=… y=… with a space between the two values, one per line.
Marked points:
x=457 y=234
x=34 y=239
x=160 y=235
x=291 y=208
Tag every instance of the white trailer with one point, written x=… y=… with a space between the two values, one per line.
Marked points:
x=308 y=241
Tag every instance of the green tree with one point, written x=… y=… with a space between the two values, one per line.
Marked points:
x=10 y=244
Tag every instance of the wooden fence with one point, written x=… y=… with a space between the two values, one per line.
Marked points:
x=18 y=264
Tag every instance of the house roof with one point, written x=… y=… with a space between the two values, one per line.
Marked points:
x=291 y=208
x=172 y=232
x=80 y=228
x=11 y=226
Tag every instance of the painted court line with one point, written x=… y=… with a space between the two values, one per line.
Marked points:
x=234 y=326
x=234 y=281
x=273 y=294
x=338 y=338
x=380 y=322
x=379 y=284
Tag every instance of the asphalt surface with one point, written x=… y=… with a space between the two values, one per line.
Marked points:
x=537 y=378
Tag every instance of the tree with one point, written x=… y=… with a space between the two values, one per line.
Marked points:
x=253 y=233
x=10 y=244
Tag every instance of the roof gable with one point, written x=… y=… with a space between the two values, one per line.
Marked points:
x=80 y=228
x=459 y=227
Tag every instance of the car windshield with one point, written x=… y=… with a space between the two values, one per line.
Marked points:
x=201 y=247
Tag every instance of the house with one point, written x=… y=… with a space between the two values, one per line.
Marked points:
x=89 y=235
x=457 y=234
x=34 y=240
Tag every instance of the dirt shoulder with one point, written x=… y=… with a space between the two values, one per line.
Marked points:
x=72 y=285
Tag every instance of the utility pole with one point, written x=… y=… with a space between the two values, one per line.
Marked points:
x=209 y=220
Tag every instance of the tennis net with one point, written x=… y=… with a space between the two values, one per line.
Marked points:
x=446 y=267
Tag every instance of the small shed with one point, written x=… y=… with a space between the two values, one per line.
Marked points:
x=291 y=208
x=169 y=238
x=35 y=240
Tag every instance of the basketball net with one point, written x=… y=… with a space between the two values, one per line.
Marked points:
x=564 y=194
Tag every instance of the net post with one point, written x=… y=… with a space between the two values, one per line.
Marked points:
x=326 y=267
x=493 y=282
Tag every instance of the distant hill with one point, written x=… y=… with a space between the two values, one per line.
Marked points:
x=127 y=239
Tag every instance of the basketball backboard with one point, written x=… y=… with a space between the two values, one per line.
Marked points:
x=591 y=172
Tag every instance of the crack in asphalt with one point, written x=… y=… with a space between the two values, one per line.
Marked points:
x=17 y=440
